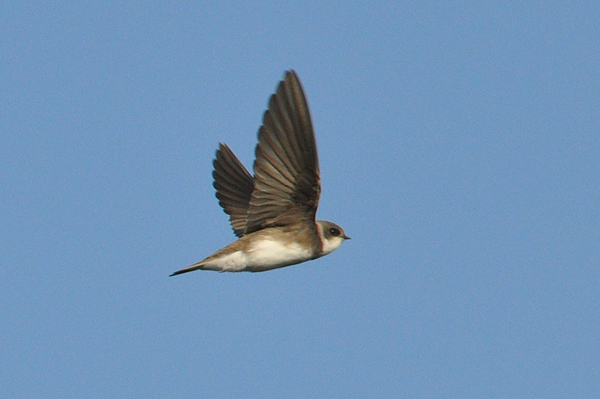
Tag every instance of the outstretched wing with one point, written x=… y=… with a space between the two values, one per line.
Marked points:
x=234 y=186
x=286 y=170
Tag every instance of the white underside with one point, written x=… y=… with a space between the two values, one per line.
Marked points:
x=260 y=256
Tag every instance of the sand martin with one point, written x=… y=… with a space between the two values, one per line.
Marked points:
x=273 y=213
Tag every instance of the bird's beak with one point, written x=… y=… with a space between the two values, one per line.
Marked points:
x=345 y=237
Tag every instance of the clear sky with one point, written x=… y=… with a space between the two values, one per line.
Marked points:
x=459 y=148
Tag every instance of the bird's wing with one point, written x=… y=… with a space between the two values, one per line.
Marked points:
x=286 y=170
x=234 y=186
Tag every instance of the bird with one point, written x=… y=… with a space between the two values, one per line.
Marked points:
x=273 y=212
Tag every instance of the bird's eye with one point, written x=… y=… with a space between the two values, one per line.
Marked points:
x=334 y=232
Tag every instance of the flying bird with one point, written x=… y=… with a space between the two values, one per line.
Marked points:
x=273 y=213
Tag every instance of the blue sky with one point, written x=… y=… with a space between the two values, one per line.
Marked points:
x=459 y=148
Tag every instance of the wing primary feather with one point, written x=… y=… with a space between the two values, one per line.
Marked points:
x=234 y=186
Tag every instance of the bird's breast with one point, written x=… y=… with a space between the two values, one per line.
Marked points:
x=267 y=254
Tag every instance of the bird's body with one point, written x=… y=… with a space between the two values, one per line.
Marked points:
x=273 y=213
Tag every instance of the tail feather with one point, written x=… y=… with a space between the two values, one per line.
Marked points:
x=195 y=266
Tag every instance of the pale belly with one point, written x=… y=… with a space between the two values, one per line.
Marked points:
x=268 y=254
x=262 y=255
